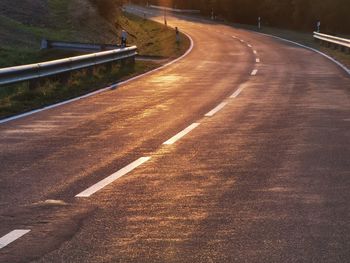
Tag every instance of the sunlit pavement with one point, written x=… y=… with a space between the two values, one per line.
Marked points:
x=238 y=152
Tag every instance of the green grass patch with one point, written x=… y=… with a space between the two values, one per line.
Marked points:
x=26 y=34
x=11 y=55
x=20 y=43
x=59 y=13
x=152 y=38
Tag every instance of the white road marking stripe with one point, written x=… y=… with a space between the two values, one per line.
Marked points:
x=255 y=52
x=309 y=48
x=242 y=40
x=110 y=179
x=237 y=92
x=216 y=109
x=181 y=134
x=12 y=236
x=254 y=72
x=257 y=60
x=234 y=37
x=249 y=45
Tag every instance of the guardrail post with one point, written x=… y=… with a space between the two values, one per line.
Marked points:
x=177 y=35
x=44 y=44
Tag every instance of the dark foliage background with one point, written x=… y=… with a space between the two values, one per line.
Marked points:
x=293 y=14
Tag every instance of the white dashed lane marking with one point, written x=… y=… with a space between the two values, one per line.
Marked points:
x=216 y=109
x=254 y=72
x=181 y=134
x=12 y=236
x=238 y=91
x=110 y=179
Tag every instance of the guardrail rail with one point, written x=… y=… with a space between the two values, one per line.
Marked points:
x=343 y=43
x=36 y=71
x=76 y=46
x=189 y=11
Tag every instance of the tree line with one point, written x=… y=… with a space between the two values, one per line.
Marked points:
x=334 y=15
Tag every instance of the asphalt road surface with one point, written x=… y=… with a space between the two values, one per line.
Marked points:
x=239 y=152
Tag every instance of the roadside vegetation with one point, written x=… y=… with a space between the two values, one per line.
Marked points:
x=290 y=14
x=93 y=21
x=291 y=19
x=305 y=38
x=21 y=98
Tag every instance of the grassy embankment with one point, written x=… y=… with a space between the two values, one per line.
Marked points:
x=76 y=20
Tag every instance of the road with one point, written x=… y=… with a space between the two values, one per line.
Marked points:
x=239 y=152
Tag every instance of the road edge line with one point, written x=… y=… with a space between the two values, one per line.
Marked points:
x=345 y=68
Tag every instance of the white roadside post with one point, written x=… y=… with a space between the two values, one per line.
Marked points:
x=177 y=35
x=44 y=44
x=124 y=37
x=259 y=23
x=212 y=14
x=318 y=27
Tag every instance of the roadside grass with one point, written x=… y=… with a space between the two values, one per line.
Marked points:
x=23 y=42
x=305 y=38
x=152 y=38
x=19 y=44
x=11 y=55
x=20 y=98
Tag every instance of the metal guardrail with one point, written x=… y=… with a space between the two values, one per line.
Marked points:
x=190 y=11
x=88 y=47
x=46 y=69
x=342 y=42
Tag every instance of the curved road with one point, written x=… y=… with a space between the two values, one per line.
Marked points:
x=239 y=152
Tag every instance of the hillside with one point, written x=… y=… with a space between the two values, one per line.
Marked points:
x=23 y=23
